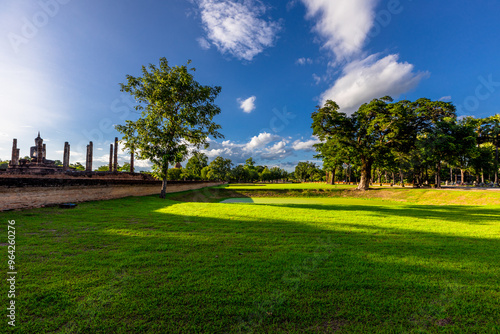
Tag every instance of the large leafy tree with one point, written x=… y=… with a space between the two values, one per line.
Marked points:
x=369 y=132
x=252 y=172
x=306 y=171
x=377 y=129
x=196 y=163
x=219 y=169
x=176 y=112
x=239 y=173
x=278 y=173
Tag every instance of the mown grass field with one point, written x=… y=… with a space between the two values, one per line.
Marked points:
x=324 y=264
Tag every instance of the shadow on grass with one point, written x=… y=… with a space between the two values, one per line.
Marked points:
x=475 y=215
x=146 y=265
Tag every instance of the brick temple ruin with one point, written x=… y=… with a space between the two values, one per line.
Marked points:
x=38 y=164
x=38 y=182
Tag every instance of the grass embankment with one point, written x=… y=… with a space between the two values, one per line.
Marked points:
x=145 y=265
x=404 y=195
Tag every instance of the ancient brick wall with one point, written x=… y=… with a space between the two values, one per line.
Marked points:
x=28 y=193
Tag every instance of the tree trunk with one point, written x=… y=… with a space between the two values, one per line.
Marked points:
x=401 y=176
x=438 y=174
x=496 y=164
x=482 y=176
x=366 y=169
x=164 y=185
x=416 y=179
x=333 y=176
x=462 y=177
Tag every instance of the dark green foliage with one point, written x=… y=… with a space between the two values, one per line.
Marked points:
x=195 y=164
x=77 y=166
x=307 y=171
x=219 y=169
x=4 y=164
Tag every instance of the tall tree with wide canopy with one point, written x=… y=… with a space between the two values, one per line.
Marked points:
x=377 y=127
x=176 y=112
x=369 y=132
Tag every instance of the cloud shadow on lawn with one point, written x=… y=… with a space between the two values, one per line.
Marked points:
x=474 y=215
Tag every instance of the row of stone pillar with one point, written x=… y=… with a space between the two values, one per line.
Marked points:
x=113 y=156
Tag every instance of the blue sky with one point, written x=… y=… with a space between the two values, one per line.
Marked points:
x=61 y=62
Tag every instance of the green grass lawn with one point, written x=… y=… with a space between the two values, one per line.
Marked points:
x=274 y=186
x=310 y=265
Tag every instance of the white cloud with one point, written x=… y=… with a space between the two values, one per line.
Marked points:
x=262 y=147
x=247 y=105
x=236 y=27
x=278 y=151
x=204 y=44
x=303 y=61
x=261 y=140
x=307 y=145
x=371 y=78
x=316 y=78
x=259 y=147
x=291 y=4
x=445 y=98
x=344 y=24
x=143 y=164
x=103 y=159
